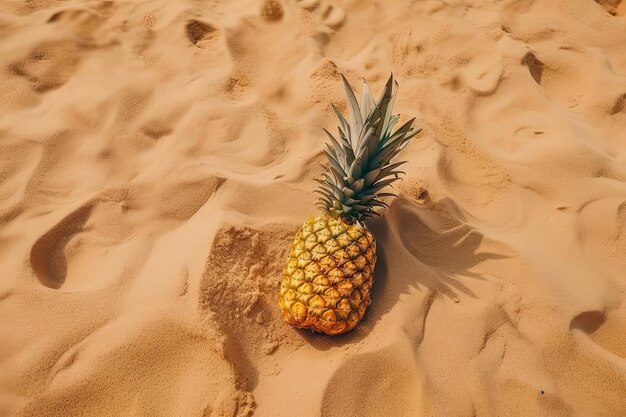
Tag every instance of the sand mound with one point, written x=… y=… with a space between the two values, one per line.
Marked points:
x=156 y=159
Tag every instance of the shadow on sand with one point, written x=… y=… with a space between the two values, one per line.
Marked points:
x=420 y=244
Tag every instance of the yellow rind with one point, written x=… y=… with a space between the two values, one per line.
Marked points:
x=327 y=281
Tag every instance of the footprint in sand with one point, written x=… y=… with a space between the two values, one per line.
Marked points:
x=49 y=65
x=606 y=329
x=327 y=16
x=97 y=243
x=47 y=256
x=588 y=321
x=272 y=10
x=309 y=4
x=614 y=7
x=535 y=66
x=200 y=33
x=602 y=231
x=87 y=249
x=80 y=21
x=619 y=106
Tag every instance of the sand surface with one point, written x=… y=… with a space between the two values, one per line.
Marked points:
x=157 y=157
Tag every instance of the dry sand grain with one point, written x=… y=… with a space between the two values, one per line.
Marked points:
x=157 y=157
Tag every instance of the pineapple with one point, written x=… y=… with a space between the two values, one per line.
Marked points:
x=326 y=285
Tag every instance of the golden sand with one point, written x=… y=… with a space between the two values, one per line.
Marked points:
x=156 y=159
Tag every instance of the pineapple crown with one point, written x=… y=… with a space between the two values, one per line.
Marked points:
x=360 y=157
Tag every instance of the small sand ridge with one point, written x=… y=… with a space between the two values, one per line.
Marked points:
x=156 y=159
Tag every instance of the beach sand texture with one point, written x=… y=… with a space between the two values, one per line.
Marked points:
x=157 y=157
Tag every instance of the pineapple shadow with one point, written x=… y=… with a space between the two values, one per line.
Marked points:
x=440 y=243
x=424 y=246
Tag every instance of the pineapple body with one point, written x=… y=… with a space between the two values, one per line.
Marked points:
x=326 y=285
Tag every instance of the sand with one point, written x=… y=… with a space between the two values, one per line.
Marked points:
x=157 y=157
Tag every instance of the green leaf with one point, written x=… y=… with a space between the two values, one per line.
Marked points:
x=336 y=146
x=356 y=121
x=363 y=155
x=378 y=203
x=333 y=152
x=394 y=90
x=335 y=164
x=342 y=120
x=336 y=175
x=323 y=193
x=383 y=183
x=360 y=208
x=386 y=195
x=371 y=176
x=367 y=101
x=398 y=134
x=388 y=170
x=355 y=169
x=392 y=122
x=370 y=143
x=347 y=192
x=326 y=201
x=382 y=106
x=337 y=191
x=366 y=198
x=366 y=134
x=390 y=156
x=357 y=186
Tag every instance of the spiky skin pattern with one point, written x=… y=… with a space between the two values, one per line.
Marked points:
x=326 y=285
